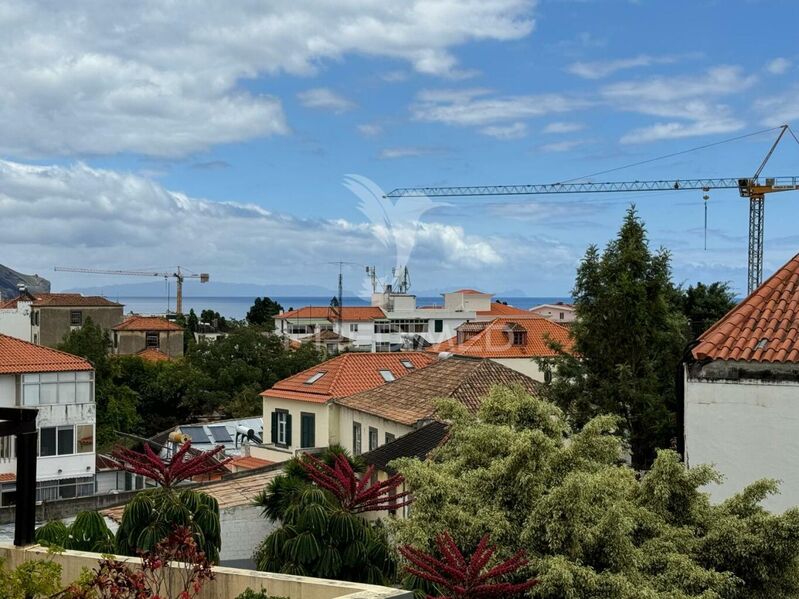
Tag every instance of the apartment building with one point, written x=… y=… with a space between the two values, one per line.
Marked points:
x=61 y=387
x=149 y=336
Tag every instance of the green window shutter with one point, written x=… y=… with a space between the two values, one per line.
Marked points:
x=288 y=430
x=274 y=427
x=307 y=430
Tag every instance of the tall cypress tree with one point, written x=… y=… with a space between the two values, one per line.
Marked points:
x=628 y=340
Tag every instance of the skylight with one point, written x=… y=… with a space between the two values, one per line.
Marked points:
x=762 y=343
x=387 y=375
x=315 y=377
x=407 y=364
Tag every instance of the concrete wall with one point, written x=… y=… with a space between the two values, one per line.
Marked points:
x=54 y=321
x=58 y=509
x=748 y=430
x=553 y=313
x=526 y=366
x=8 y=390
x=243 y=529
x=228 y=582
x=132 y=342
x=346 y=417
x=16 y=322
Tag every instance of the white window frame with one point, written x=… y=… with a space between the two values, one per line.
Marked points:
x=282 y=427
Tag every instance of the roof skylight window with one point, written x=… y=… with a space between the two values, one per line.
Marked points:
x=407 y=364
x=387 y=375
x=762 y=343
x=315 y=377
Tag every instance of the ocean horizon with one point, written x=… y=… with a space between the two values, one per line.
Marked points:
x=237 y=306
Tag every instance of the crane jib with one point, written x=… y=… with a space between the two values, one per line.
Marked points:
x=745 y=185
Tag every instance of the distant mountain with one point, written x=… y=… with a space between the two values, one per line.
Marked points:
x=210 y=289
x=10 y=279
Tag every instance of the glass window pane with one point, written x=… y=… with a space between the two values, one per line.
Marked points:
x=47 y=441
x=85 y=375
x=30 y=394
x=48 y=393
x=66 y=392
x=83 y=393
x=30 y=378
x=49 y=377
x=66 y=440
x=66 y=376
x=85 y=438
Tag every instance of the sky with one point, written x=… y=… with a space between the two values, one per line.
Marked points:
x=255 y=140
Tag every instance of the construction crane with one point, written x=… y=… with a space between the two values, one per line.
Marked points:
x=753 y=188
x=178 y=275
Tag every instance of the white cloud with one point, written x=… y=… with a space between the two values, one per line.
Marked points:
x=564 y=146
x=325 y=99
x=512 y=131
x=478 y=108
x=163 y=79
x=687 y=101
x=778 y=66
x=563 y=127
x=603 y=68
x=779 y=109
x=370 y=129
x=408 y=152
x=78 y=215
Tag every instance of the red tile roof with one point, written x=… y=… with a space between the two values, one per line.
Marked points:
x=762 y=328
x=347 y=374
x=249 y=463
x=20 y=357
x=348 y=313
x=412 y=398
x=498 y=309
x=147 y=323
x=7 y=477
x=72 y=300
x=152 y=354
x=470 y=292
x=494 y=341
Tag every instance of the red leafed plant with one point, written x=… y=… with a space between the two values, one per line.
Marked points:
x=167 y=473
x=356 y=495
x=176 y=569
x=464 y=579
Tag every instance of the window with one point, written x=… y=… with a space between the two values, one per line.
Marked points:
x=66 y=440
x=356 y=438
x=438 y=326
x=300 y=329
x=548 y=375
x=151 y=339
x=57 y=388
x=384 y=328
x=47 y=442
x=407 y=364
x=36 y=318
x=354 y=328
x=315 y=377
x=281 y=428
x=85 y=438
x=75 y=318
x=562 y=315
x=372 y=438
x=64 y=488
x=389 y=437
x=7 y=446
x=519 y=337
x=387 y=375
x=382 y=346
x=307 y=430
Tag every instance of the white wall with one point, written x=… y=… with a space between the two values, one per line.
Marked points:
x=553 y=313
x=526 y=366
x=749 y=430
x=16 y=322
x=8 y=390
x=295 y=408
x=243 y=529
x=346 y=417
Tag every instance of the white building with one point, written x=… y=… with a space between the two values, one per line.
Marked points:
x=61 y=387
x=393 y=322
x=560 y=312
x=741 y=399
x=15 y=317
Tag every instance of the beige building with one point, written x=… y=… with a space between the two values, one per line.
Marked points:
x=560 y=312
x=146 y=335
x=299 y=411
x=54 y=315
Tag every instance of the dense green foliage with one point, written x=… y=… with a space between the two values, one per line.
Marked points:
x=88 y=532
x=590 y=527
x=703 y=305
x=221 y=379
x=629 y=336
x=262 y=594
x=152 y=514
x=33 y=579
x=263 y=311
x=318 y=537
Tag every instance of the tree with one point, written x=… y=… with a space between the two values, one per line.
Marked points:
x=322 y=533
x=215 y=319
x=703 y=305
x=88 y=532
x=92 y=342
x=627 y=342
x=263 y=311
x=591 y=527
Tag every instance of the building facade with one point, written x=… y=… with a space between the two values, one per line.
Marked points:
x=61 y=387
x=741 y=393
x=54 y=315
x=559 y=312
x=138 y=334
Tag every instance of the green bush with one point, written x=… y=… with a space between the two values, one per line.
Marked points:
x=262 y=594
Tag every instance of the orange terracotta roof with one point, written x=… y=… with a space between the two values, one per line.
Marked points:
x=152 y=354
x=72 y=300
x=147 y=323
x=7 y=477
x=249 y=462
x=470 y=292
x=494 y=341
x=347 y=374
x=20 y=357
x=498 y=309
x=762 y=328
x=412 y=398
x=348 y=313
